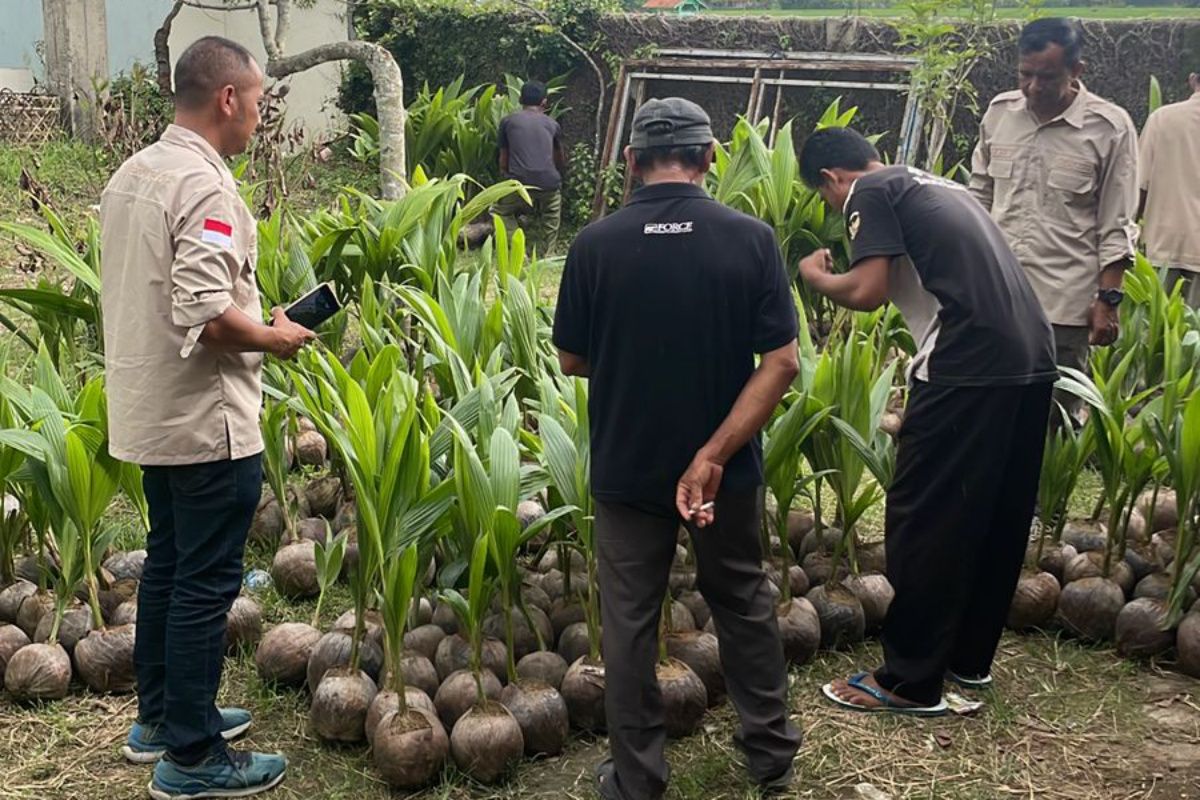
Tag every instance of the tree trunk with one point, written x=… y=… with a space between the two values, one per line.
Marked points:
x=389 y=100
x=937 y=142
x=162 y=51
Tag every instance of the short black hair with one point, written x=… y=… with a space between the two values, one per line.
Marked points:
x=687 y=155
x=834 y=148
x=208 y=64
x=1041 y=33
x=533 y=93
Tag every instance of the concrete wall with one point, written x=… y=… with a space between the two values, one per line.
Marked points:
x=75 y=55
x=311 y=100
x=20 y=35
x=131 y=27
x=130 y=38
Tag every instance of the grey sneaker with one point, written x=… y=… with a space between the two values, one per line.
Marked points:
x=223 y=773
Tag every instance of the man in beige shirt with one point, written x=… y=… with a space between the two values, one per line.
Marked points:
x=183 y=343
x=1057 y=168
x=1169 y=170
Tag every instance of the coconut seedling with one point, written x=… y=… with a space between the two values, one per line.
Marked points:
x=460 y=329
x=485 y=739
x=293 y=568
x=409 y=744
x=370 y=413
x=1177 y=348
x=488 y=500
x=1180 y=443
x=1036 y=597
x=283 y=654
x=13 y=522
x=407 y=241
x=684 y=693
x=1065 y=452
x=565 y=454
x=843 y=447
x=798 y=623
x=43 y=671
x=757 y=173
x=278 y=427
x=1092 y=598
x=330 y=557
x=68 y=461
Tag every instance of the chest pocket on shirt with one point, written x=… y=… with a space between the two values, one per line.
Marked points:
x=1000 y=169
x=1071 y=192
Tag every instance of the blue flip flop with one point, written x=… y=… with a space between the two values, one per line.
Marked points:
x=887 y=705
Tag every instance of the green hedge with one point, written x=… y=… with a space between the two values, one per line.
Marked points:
x=436 y=41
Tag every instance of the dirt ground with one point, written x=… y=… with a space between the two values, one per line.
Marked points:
x=1066 y=721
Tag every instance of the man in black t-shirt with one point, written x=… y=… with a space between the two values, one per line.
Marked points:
x=664 y=305
x=532 y=152
x=970 y=447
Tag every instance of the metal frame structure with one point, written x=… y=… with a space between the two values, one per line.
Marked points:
x=776 y=70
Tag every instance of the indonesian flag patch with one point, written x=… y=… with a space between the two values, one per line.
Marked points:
x=217 y=232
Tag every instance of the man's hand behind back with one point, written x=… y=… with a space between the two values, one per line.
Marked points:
x=697 y=489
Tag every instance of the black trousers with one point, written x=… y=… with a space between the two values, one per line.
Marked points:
x=636 y=545
x=199 y=517
x=958 y=515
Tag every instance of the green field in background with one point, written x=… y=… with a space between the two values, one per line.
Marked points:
x=1099 y=12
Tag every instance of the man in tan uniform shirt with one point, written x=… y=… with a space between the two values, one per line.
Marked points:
x=1169 y=169
x=1057 y=168
x=183 y=344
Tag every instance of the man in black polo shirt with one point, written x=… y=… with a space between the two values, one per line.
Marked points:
x=970 y=448
x=664 y=306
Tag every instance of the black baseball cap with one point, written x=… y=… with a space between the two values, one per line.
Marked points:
x=670 y=122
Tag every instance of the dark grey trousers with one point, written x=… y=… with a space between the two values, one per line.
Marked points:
x=636 y=544
x=1072 y=349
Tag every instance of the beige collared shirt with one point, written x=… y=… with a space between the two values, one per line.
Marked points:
x=1064 y=192
x=1170 y=175
x=178 y=248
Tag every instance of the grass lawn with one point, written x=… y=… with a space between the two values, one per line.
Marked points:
x=71 y=175
x=1093 y=12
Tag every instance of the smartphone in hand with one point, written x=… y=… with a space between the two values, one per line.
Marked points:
x=315 y=307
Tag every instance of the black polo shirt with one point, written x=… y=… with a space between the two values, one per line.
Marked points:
x=669 y=299
x=961 y=290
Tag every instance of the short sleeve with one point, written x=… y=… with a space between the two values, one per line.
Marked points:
x=872 y=226
x=572 y=314
x=775 y=322
x=502 y=134
x=1146 y=152
x=206 y=262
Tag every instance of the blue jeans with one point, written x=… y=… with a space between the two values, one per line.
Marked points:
x=199 y=517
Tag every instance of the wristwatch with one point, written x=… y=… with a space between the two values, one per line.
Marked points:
x=1111 y=297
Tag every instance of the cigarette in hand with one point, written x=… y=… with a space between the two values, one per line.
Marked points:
x=706 y=507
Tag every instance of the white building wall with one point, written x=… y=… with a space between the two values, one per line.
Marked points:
x=313 y=94
x=131 y=26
